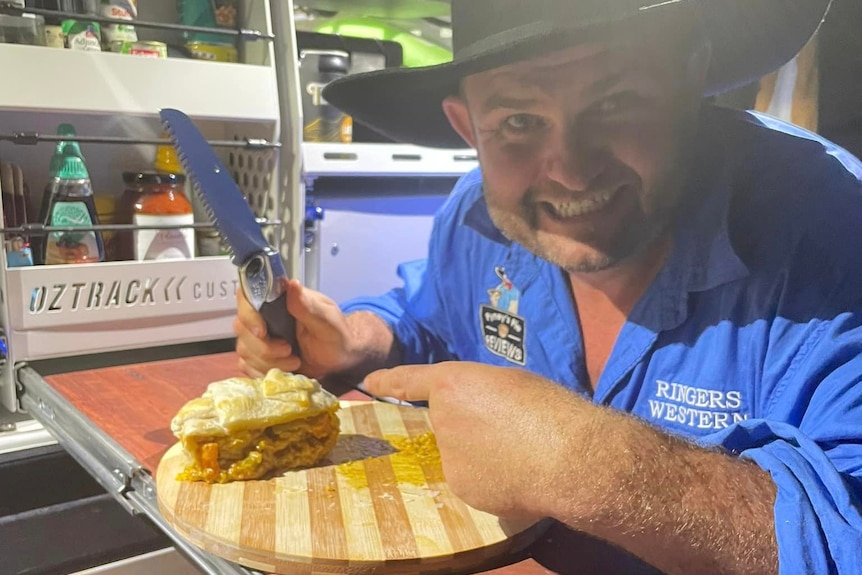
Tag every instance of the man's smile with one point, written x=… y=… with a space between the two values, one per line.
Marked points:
x=585 y=204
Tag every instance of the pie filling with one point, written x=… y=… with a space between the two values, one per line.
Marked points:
x=255 y=453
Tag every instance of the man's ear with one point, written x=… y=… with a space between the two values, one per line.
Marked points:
x=456 y=111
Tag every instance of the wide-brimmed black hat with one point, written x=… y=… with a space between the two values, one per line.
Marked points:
x=748 y=39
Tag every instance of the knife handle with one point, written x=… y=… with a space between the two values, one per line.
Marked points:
x=279 y=323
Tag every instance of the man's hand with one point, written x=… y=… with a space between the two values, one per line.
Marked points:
x=330 y=343
x=322 y=332
x=517 y=445
x=498 y=439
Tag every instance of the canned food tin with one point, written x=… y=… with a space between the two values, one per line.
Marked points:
x=146 y=49
x=121 y=10
x=80 y=35
x=214 y=52
x=210 y=244
x=54 y=37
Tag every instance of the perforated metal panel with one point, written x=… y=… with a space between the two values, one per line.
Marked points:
x=254 y=173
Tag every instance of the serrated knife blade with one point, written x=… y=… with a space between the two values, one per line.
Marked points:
x=260 y=265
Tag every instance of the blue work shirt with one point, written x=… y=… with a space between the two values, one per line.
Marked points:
x=749 y=338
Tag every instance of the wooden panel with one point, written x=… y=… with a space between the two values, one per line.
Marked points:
x=134 y=404
x=369 y=508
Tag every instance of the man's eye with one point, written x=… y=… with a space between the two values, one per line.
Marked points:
x=616 y=104
x=523 y=123
x=609 y=105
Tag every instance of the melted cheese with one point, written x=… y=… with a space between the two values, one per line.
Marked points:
x=417 y=462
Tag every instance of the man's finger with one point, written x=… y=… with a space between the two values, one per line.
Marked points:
x=248 y=369
x=407 y=383
x=308 y=307
x=248 y=316
x=267 y=350
x=262 y=356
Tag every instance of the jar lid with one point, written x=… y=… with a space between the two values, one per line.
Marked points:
x=153 y=178
x=167 y=160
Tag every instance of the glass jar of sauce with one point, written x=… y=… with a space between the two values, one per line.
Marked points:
x=154 y=199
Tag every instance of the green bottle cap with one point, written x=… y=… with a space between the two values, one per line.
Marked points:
x=64 y=148
x=68 y=131
x=72 y=168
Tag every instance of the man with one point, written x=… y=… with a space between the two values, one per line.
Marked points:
x=683 y=374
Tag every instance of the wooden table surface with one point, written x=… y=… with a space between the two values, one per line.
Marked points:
x=134 y=405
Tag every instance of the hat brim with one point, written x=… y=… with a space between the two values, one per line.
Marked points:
x=749 y=38
x=405 y=104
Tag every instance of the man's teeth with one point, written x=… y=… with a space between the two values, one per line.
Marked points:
x=588 y=205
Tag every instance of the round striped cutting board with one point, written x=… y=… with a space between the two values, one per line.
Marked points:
x=377 y=504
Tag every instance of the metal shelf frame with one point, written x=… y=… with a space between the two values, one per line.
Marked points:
x=245 y=35
x=33 y=138
x=265 y=146
x=109 y=463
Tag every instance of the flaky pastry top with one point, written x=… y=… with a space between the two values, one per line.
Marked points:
x=241 y=403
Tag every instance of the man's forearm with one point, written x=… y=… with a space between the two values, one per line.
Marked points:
x=679 y=507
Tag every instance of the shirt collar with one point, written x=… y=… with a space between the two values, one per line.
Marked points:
x=478 y=218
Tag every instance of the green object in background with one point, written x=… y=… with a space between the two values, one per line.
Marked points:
x=72 y=167
x=63 y=149
x=82 y=35
x=417 y=51
x=198 y=13
x=208 y=14
x=68 y=147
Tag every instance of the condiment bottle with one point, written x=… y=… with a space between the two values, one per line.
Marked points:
x=64 y=147
x=71 y=204
x=336 y=126
x=168 y=162
x=133 y=190
x=106 y=210
x=208 y=239
x=163 y=203
x=322 y=121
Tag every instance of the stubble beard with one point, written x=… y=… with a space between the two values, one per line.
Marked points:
x=635 y=236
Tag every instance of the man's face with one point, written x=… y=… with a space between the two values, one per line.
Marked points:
x=580 y=150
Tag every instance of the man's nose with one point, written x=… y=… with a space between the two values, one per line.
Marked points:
x=573 y=162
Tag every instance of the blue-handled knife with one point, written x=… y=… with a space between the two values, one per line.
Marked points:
x=260 y=265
